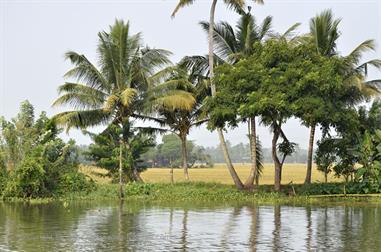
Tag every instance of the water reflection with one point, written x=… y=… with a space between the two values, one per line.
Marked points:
x=133 y=227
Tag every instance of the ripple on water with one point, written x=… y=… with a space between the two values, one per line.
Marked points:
x=95 y=227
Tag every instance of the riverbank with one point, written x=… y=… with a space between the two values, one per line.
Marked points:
x=201 y=192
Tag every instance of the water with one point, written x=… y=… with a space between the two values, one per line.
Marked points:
x=136 y=227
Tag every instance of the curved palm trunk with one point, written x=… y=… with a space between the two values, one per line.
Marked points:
x=310 y=153
x=233 y=173
x=249 y=184
x=184 y=155
x=229 y=164
x=277 y=163
x=121 y=194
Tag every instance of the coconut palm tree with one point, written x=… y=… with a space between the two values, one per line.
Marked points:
x=190 y=75
x=123 y=84
x=324 y=33
x=237 y=5
x=232 y=45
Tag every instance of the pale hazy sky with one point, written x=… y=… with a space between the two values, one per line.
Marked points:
x=35 y=34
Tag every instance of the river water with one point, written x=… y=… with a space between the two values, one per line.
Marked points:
x=111 y=226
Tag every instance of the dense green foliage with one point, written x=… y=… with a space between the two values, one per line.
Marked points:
x=44 y=165
x=278 y=81
x=105 y=150
x=354 y=152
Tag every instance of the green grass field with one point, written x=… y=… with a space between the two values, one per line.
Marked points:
x=218 y=174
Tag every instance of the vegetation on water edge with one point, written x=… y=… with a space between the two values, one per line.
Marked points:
x=200 y=192
x=262 y=76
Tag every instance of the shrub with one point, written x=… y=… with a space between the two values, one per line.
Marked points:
x=27 y=181
x=139 y=189
x=3 y=180
x=75 y=182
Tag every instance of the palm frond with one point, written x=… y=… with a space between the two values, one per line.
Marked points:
x=79 y=96
x=236 y=5
x=225 y=42
x=144 y=117
x=85 y=71
x=266 y=27
x=181 y=4
x=324 y=30
x=82 y=119
x=152 y=59
x=355 y=56
x=290 y=33
x=163 y=74
x=199 y=123
x=197 y=65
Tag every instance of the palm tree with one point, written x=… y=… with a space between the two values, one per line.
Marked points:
x=324 y=33
x=123 y=84
x=230 y=46
x=237 y=5
x=190 y=76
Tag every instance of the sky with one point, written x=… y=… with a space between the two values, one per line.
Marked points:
x=35 y=34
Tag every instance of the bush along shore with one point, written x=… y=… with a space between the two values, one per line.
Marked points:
x=200 y=192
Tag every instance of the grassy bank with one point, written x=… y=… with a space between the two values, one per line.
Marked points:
x=201 y=189
x=199 y=193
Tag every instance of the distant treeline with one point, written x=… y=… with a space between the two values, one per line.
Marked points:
x=240 y=153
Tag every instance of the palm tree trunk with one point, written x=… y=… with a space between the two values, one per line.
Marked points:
x=277 y=164
x=253 y=153
x=121 y=194
x=210 y=45
x=137 y=176
x=233 y=173
x=229 y=164
x=184 y=156
x=310 y=153
x=171 y=171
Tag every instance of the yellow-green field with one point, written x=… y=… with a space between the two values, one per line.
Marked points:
x=219 y=173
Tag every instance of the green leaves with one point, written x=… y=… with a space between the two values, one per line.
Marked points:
x=324 y=31
x=122 y=85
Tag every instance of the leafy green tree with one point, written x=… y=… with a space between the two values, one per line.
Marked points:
x=237 y=5
x=325 y=157
x=105 y=150
x=124 y=84
x=272 y=78
x=18 y=135
x=233 y=45
x=368 y=154
x=169 y=150
x=324 y=33
x=351 y=130
x=43 y=161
